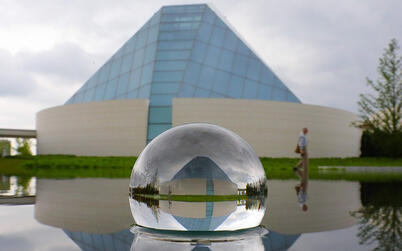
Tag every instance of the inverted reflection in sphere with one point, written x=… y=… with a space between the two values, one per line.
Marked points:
x=198 y=177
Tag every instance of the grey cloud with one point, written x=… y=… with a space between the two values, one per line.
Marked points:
x=65 y=64
x=17 y=243
x=321 y=50
x=13 y=80
x=67 y=61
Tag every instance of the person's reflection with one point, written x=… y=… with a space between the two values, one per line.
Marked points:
x=301 y=192
x=301 y=189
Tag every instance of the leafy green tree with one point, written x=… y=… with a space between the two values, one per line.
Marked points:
x=23 y=147
x=5 y=146
x=380 y=218
x=381 y=109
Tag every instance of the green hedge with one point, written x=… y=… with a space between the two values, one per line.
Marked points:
x=381 y=144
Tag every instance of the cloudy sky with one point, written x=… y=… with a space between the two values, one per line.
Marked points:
x=322 y=50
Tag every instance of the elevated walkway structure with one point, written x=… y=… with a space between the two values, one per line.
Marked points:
x=17 y=133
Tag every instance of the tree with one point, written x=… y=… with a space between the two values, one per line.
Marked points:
x=380 y=218
x=23 y=147
x=381 y=109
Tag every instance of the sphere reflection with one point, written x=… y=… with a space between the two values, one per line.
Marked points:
x=198 y=177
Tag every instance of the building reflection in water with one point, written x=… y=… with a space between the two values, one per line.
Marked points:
x=95 y=215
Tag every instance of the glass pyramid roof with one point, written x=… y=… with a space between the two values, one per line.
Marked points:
x=182 y=51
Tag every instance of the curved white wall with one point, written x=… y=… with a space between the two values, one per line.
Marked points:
x=272 y=128
x=119 y=127
x=107 y=128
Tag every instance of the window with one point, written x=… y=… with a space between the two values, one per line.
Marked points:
x=220 y=23
x=143 y=91
x=150 y=51
x=99 y=92
x=216 y=95
x=110 y=89
x=160 y=76
x=161 y=100
x=126 y=64
x=89 y=94
x=240 y=64
x=204 y=32
x=221 y=82
x=179 y=26
x=160 y=115
x=254 y=67
x=165 y=88
x=104 y=72
x=177 y=35
x=218 y=35
x=206 y=77
x=192 y=72
x=115 y=70
x=170 y=65
x=123 y=84
x=199 y=52
x=201 y=93
x=226 y=60
x=79 y=97
x=175 y=45
x=141 y=39
x=181 y=18
x=155 y=19
x=153 y=34
x=292 y=98
x=279 y=95
x=250 y=89
x=209 y=16
x=134 y=81
x=236 y=87
x=138 y=58
x=132 y=94
x=264 y=92
x=230 y=41
x=91 y=82
x=119 y=53
x=186 y=91
x=179 y=9
x=172 y=55
x=266 y=76
x=212 y=57
x=146 y=76
x=155 y=130
x=243 y=49
x=130 y=44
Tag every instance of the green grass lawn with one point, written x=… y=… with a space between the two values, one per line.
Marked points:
x=195 y=198
x=281 y=168
x=63 y=166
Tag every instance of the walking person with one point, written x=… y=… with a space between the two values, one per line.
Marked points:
x=301 y=169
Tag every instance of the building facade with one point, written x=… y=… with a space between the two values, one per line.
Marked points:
x=183 y=54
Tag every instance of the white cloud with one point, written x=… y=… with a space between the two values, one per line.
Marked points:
x=321 y=50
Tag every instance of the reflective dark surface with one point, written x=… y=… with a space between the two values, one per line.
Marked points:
x=94 y=214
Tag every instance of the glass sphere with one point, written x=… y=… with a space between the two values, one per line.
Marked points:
x=198 y=177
